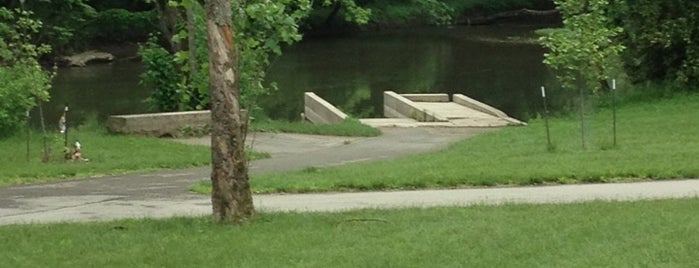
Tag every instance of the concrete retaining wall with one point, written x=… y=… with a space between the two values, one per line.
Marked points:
x=317 y=110
x=478 y=106
x=434 y=97
x=485 y=108
x=397 y=106
x=158 y=124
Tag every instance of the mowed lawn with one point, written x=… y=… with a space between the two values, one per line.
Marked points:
x=118 y=154
x=656 y=140
x=598 y=234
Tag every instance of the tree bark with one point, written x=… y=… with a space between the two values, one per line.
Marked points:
x=231 y=196
x=191 y=47
x=168 y=19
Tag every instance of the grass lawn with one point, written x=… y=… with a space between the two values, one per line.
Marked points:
x=108 y=154
x=598 y=234
x=118 y=154
x=656 y=140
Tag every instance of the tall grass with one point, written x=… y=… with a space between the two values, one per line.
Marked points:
x=598 y=234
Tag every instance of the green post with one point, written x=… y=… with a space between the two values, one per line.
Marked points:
x=614 y=110
x=28 y=136
x=65 y=133
x=582 y=117
x=546 y=119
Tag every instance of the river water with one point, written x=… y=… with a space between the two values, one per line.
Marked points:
x=486 y=63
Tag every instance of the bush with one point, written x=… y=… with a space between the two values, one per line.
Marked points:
x=22 y=80
x=661 y=37
x=164 y=77
x=121 y=25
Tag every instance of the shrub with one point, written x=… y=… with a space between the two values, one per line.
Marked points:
x=22 y=80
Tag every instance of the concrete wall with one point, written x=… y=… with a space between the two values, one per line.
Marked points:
x=158 y=124
x=478 y=106
x=435 y=97
x=397 y=106
x=317 y=110
x=485 y=108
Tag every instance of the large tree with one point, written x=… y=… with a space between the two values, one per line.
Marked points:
x=231 y=196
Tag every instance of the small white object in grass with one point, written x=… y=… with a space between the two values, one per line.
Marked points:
x=543 y=92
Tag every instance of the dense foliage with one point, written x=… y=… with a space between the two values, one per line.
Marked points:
x=73 y=25
x=162 y=74
x=662 y=39
x=119 y=25
x=262 y=28
x=23 y=82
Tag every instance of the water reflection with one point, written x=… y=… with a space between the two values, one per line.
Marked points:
x=351 y=72
x=98 y=90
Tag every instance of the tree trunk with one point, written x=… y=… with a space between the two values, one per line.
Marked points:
x=168 y=19
x=192 y=47
x=231 y=196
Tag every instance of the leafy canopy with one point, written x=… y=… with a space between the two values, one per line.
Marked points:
x=584 y=51
x=22 y=80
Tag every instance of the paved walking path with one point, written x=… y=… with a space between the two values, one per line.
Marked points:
x=165 y=194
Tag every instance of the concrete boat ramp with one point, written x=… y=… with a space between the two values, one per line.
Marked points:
x=416 y=110
x=400 y=110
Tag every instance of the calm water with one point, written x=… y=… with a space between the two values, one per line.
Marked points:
x=98 y=90
x=352 y=72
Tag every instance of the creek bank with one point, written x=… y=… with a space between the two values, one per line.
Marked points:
x=106 y=53
x=83 y=58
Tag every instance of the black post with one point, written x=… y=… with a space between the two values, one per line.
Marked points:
x=546 y=119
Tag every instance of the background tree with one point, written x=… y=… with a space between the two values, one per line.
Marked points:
x=584 y=52
x=23 y=82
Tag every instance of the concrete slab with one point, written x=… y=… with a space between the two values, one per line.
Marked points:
x=452 y=110
x=389 y=122
x=318 y=110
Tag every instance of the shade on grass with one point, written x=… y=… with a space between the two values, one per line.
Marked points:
x=597 y=234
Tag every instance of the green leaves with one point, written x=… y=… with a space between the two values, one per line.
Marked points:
x=662 y=37
x=162 y=74
x=262 y=28
x=22 y=80
x=585 y=46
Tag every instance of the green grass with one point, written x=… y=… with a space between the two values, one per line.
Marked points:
x=107 y=154
x=350 y=127
x=119 y=154
x=598 y=234
x=656 y=140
